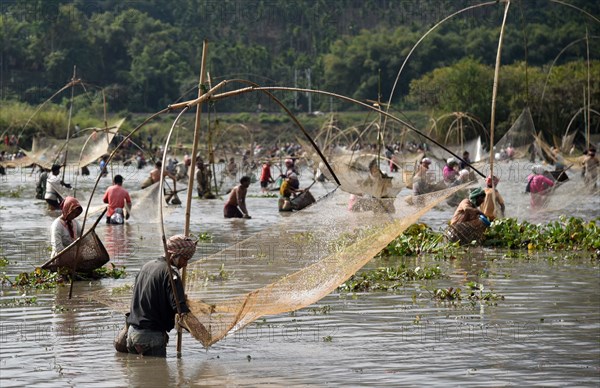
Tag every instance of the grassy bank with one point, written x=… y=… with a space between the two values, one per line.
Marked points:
x=240 y=128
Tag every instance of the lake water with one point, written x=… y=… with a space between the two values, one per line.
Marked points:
x=546 y=331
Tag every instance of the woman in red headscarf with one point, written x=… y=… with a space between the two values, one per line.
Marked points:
x=65 y=229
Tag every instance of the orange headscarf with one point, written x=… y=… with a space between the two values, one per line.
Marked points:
x=69 y=206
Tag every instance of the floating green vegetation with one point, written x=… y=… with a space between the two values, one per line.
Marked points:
x=109 y=272
x=475 y=294
x=222 y=275
x=13 y=193
x=122 y=289
x=57 y=309
x=23 y=301
x=44 y=279
x=264 y=195
x=303 y=237
x=418 y=239
x=3 y=261
x=327 y=338
x=388 y=278
x=37 y=279
x=567 y=233
x=205 y=237
x=320 y=310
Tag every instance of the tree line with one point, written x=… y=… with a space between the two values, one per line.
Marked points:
x=145 y=55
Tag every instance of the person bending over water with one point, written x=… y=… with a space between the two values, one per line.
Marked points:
x=158 y=297
x=235 y=207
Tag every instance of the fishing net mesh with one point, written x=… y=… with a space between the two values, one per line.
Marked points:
x=289 y=266
x=80 y=151
x=520 y=136
x=86 y=254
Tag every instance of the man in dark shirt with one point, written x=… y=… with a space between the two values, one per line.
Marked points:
x=154 y=305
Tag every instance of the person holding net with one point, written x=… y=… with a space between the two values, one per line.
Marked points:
x=493 y=209
x=467 y=210
x=158 y=300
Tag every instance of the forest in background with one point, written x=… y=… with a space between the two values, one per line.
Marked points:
x=144 y=55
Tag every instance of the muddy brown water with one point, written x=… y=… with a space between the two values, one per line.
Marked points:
x=546 y=331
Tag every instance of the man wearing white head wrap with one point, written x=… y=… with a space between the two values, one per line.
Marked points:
x=157 y=297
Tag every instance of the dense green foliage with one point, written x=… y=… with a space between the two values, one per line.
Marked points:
x=563 y=234
x=146 y=54
x=566 y=233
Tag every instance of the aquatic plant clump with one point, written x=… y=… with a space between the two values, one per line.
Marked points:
x=417 y=239
x=566 y=233
x=475 y=294
x=388 y=278
x=42 y=279
x=570 y=233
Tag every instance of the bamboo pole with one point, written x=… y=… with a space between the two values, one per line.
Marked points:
x=494 y=94
x=589 y=97
x=268 y=89
x=188 y=203
x=69 y=132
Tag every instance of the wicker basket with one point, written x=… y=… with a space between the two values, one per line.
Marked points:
x=466 y=232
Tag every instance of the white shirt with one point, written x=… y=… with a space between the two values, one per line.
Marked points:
x=60 y=237
x=52 y=187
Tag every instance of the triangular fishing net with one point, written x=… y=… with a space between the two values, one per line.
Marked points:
x=473 y=146
x=289 y=266
x=80 y=151
x=361 y=174
x=520 y=136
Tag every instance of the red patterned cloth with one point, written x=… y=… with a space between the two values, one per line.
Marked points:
x=184 y=246
x=70 y=209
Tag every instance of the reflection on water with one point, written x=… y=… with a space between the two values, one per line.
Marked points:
x=545 y=332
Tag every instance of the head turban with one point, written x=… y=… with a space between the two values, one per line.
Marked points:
x=68 y=206
x=476 y=192
x=182 y=246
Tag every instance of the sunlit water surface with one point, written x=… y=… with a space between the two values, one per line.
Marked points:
x=546 y=332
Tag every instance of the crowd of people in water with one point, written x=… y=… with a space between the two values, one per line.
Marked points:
x=155 y=308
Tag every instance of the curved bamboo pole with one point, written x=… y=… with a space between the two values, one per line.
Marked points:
x=255 y=87
x=188 y=202
x=554 y=62
x=389 y=103
x=577 y=8
x=341 y=97
x=162 y=222
x=589 y=88
x=494 y=94
x=152 y=117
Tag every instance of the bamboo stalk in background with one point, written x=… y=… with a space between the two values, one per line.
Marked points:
x=188 y=203
x=69 y=133
x=494 y=94
x=589 y=88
